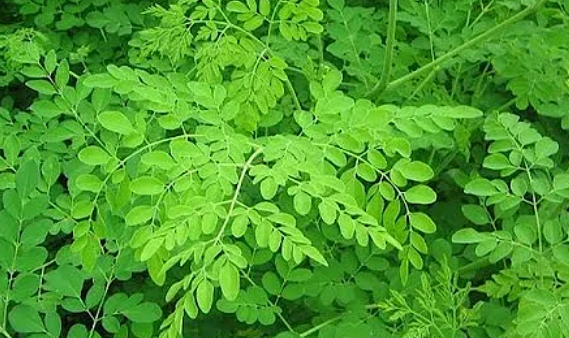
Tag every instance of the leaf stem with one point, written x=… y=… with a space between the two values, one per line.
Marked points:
x=102 y=302
x=320 y=326
x=236 y=195
x=293 y=93
x=389 y=46
x=4 y=332
x=449 y=55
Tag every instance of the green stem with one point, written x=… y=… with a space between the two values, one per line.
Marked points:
x=320 y=326
x=506 y=105
x=389 y=46
x=4 y=332
x=96 y=318
x=476 y=265
x=446 y=57
x=237 y=191
x=290 y=88
x=423 y=84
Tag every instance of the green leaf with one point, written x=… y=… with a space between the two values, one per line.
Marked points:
x=117 y=122
x=50 y=61
x=553 y=231
x=204 y=296
x=42 y=87
x=62 y=74
x=366 y=171
x=111 y=324
x=209 y=223
x=93 y=156
x=160 y=159
x=78 y=331
x=268 y=188
x=27 y=178
x=147 y=185
x=139 y=214
x=420 y=194
x=546 y=147
x=468 y=236
x=146 y=312
x=422 y=222
x=12 y=148
x=253 y=23
x=327 y=211
x=336 y=4
x=151 y=248
x=229 y=281
x=497 y=162
x=416 y=171
x=463 y=112
x=25 y=319
x=347 y=226
x=66 y=280
x=88 y=182
x=53 y=323
x=100 y=81
x=480 y=187
x=302 y=203
x=46 y=109
x=475 y=213
x=265 y=7
x=239 y=226
x=271 y=283
x=314 y=254
x=237 y=7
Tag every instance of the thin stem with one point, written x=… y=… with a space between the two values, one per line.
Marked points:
x=446 y=57
x=389 y=46
x=5 y=333
x=279 y=314
x=320 y=326
x=100 y=307
x=506 y=105
x=423 y=84
x=536 y=212
x=237 y=190
x=129 y=157
x=293 y=93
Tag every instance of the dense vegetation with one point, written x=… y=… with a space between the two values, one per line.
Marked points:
x=284 y=168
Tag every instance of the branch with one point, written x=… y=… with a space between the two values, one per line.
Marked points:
x=390 y=44
x=426 y=68
x=322 y=325
x=237 y=191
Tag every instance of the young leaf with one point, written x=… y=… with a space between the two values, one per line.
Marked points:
x=480 y=187
x=94 y=156
x=422 y=222
x=416 y=171
x=27 y=178
x=146 y=185
x=420 y=194
x=229 y=281
x=146 y=312
x=117 y=122
x=468 y=236
x=204 y=296
x=314 y=254
x=302 y=203
x=25 y=319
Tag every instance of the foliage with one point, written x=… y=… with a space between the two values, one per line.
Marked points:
x=291 y=168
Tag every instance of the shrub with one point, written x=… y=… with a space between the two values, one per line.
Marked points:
x=291 y=168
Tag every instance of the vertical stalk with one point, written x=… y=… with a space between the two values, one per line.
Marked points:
x=389 y=46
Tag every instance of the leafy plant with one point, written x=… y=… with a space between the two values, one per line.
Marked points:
x=283 y=168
